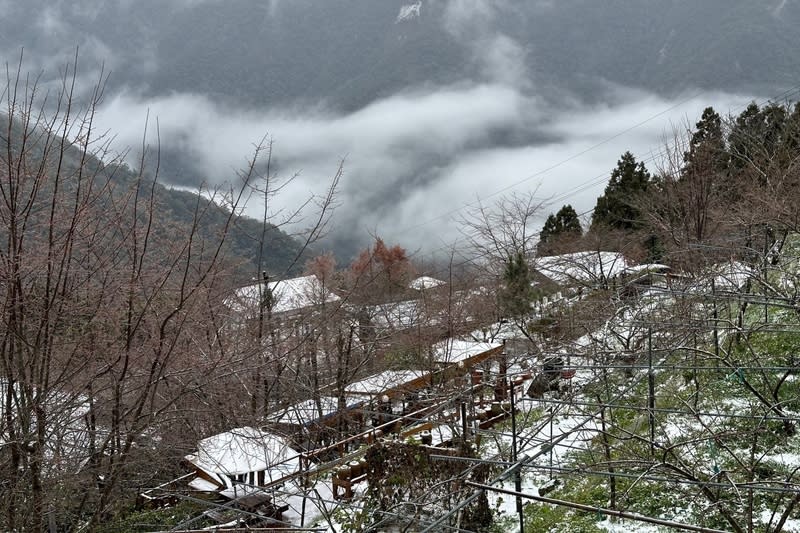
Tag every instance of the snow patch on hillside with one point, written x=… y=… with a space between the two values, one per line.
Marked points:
x=408 y=12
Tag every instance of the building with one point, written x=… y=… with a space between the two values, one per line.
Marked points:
x=308 y=422
x=237 y=463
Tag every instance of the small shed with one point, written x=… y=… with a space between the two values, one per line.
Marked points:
x=237 y=462
x=391 y=393
x=391 y=383
x=306 y=422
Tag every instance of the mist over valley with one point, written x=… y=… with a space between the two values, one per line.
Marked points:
x=431 y=105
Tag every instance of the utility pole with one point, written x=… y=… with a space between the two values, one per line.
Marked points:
x=517 y=474
x=716 y=330
x=766 y=284
x=651 y=388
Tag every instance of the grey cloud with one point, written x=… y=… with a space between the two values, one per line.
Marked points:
x=413 y=158
x=500 y=58
x=465 y=17
x=505 y=60
x=382 y=142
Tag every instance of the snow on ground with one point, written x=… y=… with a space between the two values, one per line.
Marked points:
x=786 y=459
x=319 y=504
x=791 y=525
x=570 y=429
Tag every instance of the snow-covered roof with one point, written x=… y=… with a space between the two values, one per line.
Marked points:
x=307 y=412
x=732 y=275
x=646 y=267
x=388 y=380
x=581 y=266
x=243 y=450
x=203 y=485
x=288 y=294
x=425 y=282
x=396 y=315
x=499 y=331
x=454 y=350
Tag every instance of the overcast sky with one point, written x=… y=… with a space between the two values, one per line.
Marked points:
x=415 y=159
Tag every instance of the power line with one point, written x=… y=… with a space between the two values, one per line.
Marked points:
x=598 y=510
x=601 y=405
x=590 y=182
x=665 y=410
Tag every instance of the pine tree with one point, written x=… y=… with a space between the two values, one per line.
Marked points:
x=517 y=294
x=761 y=141
x=559 y=227
x=615 y=209
x=707 y=151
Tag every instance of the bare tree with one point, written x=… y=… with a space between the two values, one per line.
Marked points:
x=504 y=229
x=112 y=346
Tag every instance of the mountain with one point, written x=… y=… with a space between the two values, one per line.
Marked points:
x=175 y=209
x=282 y=252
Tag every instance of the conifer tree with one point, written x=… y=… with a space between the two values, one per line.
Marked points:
x=762 y=142
x=707 y=151
x=615 y=209
x=517 y=294
x=563 y=225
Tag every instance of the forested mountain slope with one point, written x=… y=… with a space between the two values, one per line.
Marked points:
x=174 y=208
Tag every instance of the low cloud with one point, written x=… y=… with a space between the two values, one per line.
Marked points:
x=414 y=162
x=499 y=57
x=391 y=147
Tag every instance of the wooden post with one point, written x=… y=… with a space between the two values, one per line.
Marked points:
x=304 y=485
x=464 y=424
